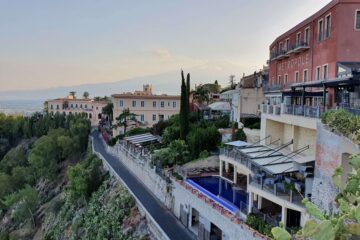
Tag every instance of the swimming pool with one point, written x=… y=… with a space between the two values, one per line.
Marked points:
x=223 y=190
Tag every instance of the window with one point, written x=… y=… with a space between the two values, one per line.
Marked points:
x=174 y=104
x=307 y=36
x=296 y=77
x=75 y=105
x=99 y=116
x=325 y=72
x=154 y=117
x=161 y=117
x=317 y=73
x=142 y=103
x=286 y=76
x=327 y=26
x=142 y=118
x=298 y=39
x=287 y=44
x=279 y=80
x=121 y=103
x=154 y=104
x=357 y=20
x=85 y=106
x=162 y=104
x=305 y=75
x=72 y=106
x=280 y=47
x=133 y=103
x=320 y=30
x=90 y=115
x=51 y=106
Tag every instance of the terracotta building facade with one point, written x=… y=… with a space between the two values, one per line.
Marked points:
x=316 y=56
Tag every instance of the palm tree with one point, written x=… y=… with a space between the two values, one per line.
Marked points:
x=108 y=110
x=124 y=117
x=232 y=81
x=86 y=95
x=201 y=95
x=72 y=94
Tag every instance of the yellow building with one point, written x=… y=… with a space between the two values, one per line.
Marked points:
x=149 y=108
x=72 y=105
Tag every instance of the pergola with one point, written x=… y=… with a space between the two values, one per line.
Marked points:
x=142 y=140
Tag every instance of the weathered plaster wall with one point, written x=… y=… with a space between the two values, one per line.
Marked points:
x=330 y=150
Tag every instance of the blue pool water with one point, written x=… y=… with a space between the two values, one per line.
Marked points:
x=223 y=189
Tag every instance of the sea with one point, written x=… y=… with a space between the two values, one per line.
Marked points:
x=21 y=107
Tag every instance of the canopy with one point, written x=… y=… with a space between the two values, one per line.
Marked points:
x=237 y=143
x=142 y=139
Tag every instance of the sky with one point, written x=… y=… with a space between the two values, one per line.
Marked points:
x=45 y=44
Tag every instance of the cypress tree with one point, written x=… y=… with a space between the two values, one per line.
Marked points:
x=182 y=107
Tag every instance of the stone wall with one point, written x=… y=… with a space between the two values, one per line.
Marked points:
x=331 y=152
x=147 y=175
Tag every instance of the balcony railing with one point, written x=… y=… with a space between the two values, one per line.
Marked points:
x=306 y=111
x=284 y=53
x=271 y=220
x=278 y=189
x=272 y=88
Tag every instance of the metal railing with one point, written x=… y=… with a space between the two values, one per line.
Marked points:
x=306 y=111
x=277 y=190
x=267 y=218
x=272 y=87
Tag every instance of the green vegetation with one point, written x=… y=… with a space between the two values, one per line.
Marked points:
x=136 y=131
x=343 y=122
x=184 y=106
x=201 y=94
x=34 y=161
x=342 y=225
x=51 y=183
x=84 y=179
x=124 y=118
x=252 y=123
x=239 y=135
x=259 y=225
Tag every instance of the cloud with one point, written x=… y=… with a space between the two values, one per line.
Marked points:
x=162 y=53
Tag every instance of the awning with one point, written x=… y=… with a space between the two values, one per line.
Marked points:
x=307 y=159
x=141 y=139
x=237 y=144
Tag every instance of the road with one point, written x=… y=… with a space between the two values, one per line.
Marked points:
x=164 y=218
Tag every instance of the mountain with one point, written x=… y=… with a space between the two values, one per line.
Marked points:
x=168 y=83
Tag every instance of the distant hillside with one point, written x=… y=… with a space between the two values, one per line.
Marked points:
x=163 y=83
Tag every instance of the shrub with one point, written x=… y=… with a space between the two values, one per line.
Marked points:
x=222 y=122
x=203 y=139
x=344 y=122
x=137 y=131
x=204 y=154
x=239 y=135
x=258 y=224
x=177 y=176
x=255 y=125
x=248 y=122
x=112 y=141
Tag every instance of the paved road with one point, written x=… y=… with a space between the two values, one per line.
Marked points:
x=164 y=218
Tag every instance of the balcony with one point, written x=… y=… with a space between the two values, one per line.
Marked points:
x=285 y=188
x=299 y=47
x=272 y=87
x=306 y=111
